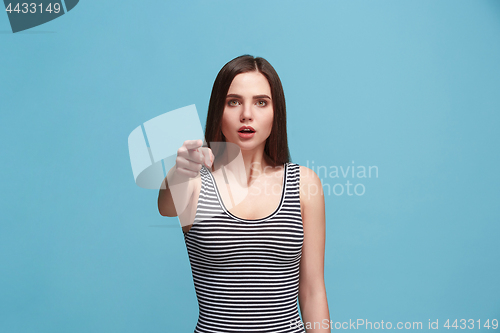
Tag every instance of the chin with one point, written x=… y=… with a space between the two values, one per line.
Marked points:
x=246 y=144
x=250 y=146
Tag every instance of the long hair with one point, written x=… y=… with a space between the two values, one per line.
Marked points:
x=276 y=146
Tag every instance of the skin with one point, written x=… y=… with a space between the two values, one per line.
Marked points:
x=249 y=102
x=312 y=292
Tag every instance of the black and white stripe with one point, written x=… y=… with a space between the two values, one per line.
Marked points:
x=246 y=272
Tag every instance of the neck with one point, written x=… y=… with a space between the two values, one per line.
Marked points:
x=244 y=165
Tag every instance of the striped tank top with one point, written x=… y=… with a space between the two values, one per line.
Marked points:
x=246 y=272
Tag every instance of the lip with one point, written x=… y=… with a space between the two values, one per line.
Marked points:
x=246 y=127
x=246 y=135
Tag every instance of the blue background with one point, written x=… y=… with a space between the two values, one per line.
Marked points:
x=411 y=87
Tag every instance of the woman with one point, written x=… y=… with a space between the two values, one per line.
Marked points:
x=253 y=249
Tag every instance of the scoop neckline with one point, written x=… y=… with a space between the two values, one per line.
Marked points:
x=283 y=191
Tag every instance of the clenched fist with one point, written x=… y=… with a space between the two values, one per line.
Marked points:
x=191 y=156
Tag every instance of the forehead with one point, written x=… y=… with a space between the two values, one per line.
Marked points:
x=250 y=83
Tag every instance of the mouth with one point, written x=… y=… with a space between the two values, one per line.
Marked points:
x=246 y=129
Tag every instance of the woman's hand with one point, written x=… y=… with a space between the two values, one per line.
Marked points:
x=177 y=188
x=190 y=157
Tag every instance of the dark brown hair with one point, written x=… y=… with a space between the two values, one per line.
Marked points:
x=276 y=146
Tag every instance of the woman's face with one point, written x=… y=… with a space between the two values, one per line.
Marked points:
x=248 y=104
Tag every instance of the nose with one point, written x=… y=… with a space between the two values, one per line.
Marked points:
x=246 y=112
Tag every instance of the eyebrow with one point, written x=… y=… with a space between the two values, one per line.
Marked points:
x=254 y=97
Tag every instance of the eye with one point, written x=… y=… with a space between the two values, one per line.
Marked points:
x=233 y=102
x=261 y=103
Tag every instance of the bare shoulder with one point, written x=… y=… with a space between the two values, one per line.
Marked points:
x=196 y=188
x=311 y=189
x=309 y=181
x=188 y=216
x=308 y=176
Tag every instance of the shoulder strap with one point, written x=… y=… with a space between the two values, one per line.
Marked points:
x=293 y=180
x=208 y=203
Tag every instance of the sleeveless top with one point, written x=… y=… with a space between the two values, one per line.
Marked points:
x=246 y=272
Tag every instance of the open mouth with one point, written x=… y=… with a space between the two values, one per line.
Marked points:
x=246 y=129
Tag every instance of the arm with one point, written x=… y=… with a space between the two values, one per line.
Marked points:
x=174 y=196
x=177 y=188
x=312 y=291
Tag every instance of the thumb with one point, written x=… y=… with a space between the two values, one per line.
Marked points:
x=207 y=156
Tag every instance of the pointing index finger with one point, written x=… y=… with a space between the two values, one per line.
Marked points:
x=193 y=144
